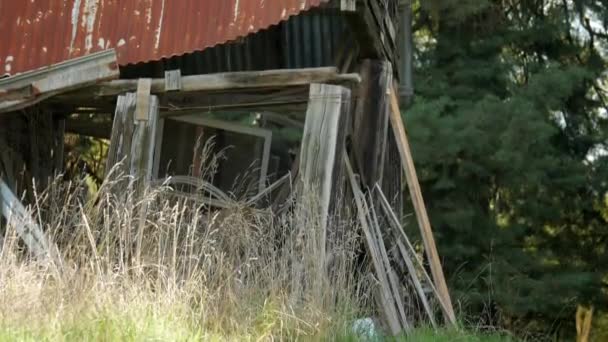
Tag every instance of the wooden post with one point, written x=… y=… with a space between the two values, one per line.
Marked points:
x=323 y=143
x=371 y=121
x=133 y=140
x=416 y=195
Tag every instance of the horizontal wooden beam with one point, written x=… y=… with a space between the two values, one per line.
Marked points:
x=233 y=80
x=26 y=89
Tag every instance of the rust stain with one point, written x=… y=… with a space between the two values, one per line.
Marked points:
x=44 y=32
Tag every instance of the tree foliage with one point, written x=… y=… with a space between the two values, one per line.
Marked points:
x=509 y=129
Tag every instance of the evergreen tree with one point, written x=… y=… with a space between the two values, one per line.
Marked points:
x=508 y=129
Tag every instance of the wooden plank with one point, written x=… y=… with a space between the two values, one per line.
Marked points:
x=323 y=143
x=399 y=234
x=122 y=128
x=371 y=120
x=389 y=307
x=394 y=284
x=418 y=202
x=56 y=79
x=143 y=145
x=173 y=80
x=25 y=226
x=143 y=99
x=234 y=80
x=348 y=5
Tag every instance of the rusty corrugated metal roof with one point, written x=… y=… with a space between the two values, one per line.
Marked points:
x=44 y=32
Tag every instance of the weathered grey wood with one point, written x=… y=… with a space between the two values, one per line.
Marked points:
x=394 y=284
x=62 y=77
x=389 y=307
x=371 y=120
x=25 y=226
x=419 y=206
x=173 y=80
x=348 y=5
x=234 y=80
x=143 y=99
x=133 y=141
x=143 y=146
x=120 y=142
x=323 y=143
x=399 y=234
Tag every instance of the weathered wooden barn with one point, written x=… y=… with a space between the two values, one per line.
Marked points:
x=298 y=89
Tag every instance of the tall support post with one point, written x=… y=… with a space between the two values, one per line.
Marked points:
x=419 y=206
x=323 y=143
x=371 y=120
x=320 y=173
x=133 y=139
x=133 y=146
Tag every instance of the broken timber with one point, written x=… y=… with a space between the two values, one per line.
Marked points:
x=419 y=206
x=27 y=89
x=24 y=225
x=390 y=300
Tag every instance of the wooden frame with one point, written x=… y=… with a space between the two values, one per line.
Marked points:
x=197 y=119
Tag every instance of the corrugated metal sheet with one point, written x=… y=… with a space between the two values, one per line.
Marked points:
x=312 y=39
x=43 y=32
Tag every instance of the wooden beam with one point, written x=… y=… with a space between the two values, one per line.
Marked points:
x=371 y=121
x=25 y=226
x=408 y=256
x=419 y=206
x=133 y=141
x=234 y=80
x=323 y=143
x=388 y=304
x=38 y=85
x=143 y=99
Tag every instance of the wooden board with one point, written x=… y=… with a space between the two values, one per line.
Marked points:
x=133 y=141
x=23 y=223
x=371 y=121
x=323 y=142
x=233 y=80
x=26 y=89
x=388 y=305
x=418 y=202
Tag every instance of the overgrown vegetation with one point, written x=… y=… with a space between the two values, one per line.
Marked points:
x=183 y=273
x=178 y=272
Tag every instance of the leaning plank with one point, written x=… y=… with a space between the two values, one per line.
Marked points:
x=389 y=307
x=26 y=89
x=28 y=230
x=234 y=80
x=323 y=144
x=392 y=279
x=392 y=218
x=416 y=194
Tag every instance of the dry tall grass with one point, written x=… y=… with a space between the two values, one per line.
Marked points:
x=177 y=272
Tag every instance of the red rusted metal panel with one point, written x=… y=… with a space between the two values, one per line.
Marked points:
x=44 y=32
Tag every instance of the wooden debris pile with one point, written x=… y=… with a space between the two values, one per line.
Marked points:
x=391 y=252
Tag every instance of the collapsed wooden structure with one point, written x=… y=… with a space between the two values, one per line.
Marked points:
x=342 y=99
